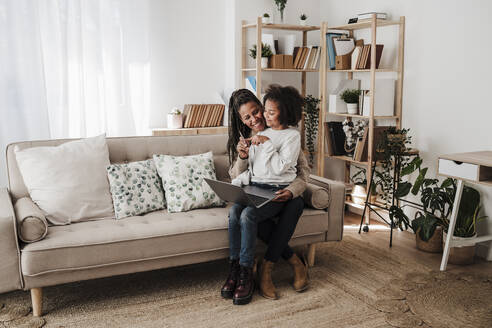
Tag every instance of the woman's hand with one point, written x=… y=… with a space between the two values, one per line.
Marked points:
x=258 y=139
x=283 y=195
x=243 y=148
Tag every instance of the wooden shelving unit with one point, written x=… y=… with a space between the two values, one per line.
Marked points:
x=373 y=24
x=190 y=131
x=259 y=26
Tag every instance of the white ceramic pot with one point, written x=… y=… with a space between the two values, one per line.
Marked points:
x=174 y=121
x=265 y=20
x=303 y=22
x=264 y=62
x=352 y=108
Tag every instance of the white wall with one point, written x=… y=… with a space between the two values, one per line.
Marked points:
x=188 y=52
x=447 y=75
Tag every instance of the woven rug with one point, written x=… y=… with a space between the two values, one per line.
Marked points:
x=353 y=284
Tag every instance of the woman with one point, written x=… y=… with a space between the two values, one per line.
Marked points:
x=246 y=119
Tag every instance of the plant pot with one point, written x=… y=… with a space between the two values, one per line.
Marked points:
x=461 y=255
x=264 y=62
x=303 y=22
x=265 y=20
x=174 y=121
x=352 y=108
x=433 y=245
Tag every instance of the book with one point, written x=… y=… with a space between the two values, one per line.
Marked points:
x=337 y=137
x=355 y=57
x=294 y=55
x=359 y=148
x=368 y=15
x=308 y=57
x=187 y=112
x=328 y=141
x=305 y=53
x=330 y=48
x=297 y=56
x=316 y=58
x=379 y=52
x=251 y=83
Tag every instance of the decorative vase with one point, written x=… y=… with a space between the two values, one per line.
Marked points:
x=461 y=254
x=433 y=245
x=265 y=20
x=174 y=121
x=264 y=62
x=303 y=22
x=352 y=108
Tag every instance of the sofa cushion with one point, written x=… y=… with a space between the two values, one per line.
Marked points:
x=31 y=222
x=136 y=188
x=182 y=178
x=154 y=235
x=316 y=196
x=68 y=182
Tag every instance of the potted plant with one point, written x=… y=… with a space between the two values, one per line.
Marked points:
x=359 y=191
x=303 y=19
x=281 y=6
x=175 y=119
x=311 y=116
x=465 y=227
x=351 y=98
x=266 y=52
x=265 y=19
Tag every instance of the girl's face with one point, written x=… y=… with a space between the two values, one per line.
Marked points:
x=252 y=116
x=272 y=114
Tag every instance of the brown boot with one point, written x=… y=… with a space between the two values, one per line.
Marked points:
x=245 y=286
x=301 y=279
x=267 y=288
x=227 y=290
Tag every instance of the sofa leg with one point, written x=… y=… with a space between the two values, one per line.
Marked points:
x=37 y=301
x=311 y=254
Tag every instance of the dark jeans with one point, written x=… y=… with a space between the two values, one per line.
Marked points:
x=246 y=223
x=277 y=235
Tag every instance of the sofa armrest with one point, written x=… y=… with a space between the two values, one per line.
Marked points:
x=32 y=225
x=336 y=209
x=9 y=246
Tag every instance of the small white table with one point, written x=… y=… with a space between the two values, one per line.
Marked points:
x=474 y=167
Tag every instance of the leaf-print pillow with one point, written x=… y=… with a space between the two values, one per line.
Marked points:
x=136 y=188
x=182 y=178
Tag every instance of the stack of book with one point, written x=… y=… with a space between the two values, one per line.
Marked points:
x=368 y=16
x=198 y=116
x=306 y=57
x=363 y=58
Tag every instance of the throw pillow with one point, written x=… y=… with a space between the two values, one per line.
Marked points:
x=31 y=222
x=136 y=188
x=68 y=182
x=182 y=178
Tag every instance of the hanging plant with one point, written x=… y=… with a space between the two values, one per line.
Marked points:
x=311 y=118
x=281 y=6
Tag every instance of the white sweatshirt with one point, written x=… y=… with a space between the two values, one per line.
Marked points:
x=275 y=160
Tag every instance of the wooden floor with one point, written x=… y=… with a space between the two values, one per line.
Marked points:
x=404 y=245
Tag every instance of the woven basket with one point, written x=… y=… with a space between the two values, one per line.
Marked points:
x=433 y=245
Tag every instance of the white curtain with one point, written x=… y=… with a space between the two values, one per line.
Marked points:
x=73 y=68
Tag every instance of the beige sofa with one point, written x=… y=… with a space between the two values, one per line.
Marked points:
x=157 y=240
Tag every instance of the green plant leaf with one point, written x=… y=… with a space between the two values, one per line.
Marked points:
x=419 y=181
x=403 y=189
x=447 y=183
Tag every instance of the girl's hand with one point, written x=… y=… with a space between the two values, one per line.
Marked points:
x=257 y=139
x=283 y=195
x=243 y=148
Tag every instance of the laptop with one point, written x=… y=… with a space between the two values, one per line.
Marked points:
x=246 y=195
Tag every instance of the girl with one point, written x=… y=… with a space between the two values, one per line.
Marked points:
x=272 y=155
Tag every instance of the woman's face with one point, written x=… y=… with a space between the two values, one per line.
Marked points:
x=252 y=116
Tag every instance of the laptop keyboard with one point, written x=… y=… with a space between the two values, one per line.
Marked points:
x=257 y=200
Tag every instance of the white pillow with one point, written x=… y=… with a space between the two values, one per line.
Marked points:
x=68 y=182
x=136 y=188
x=182 y=178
